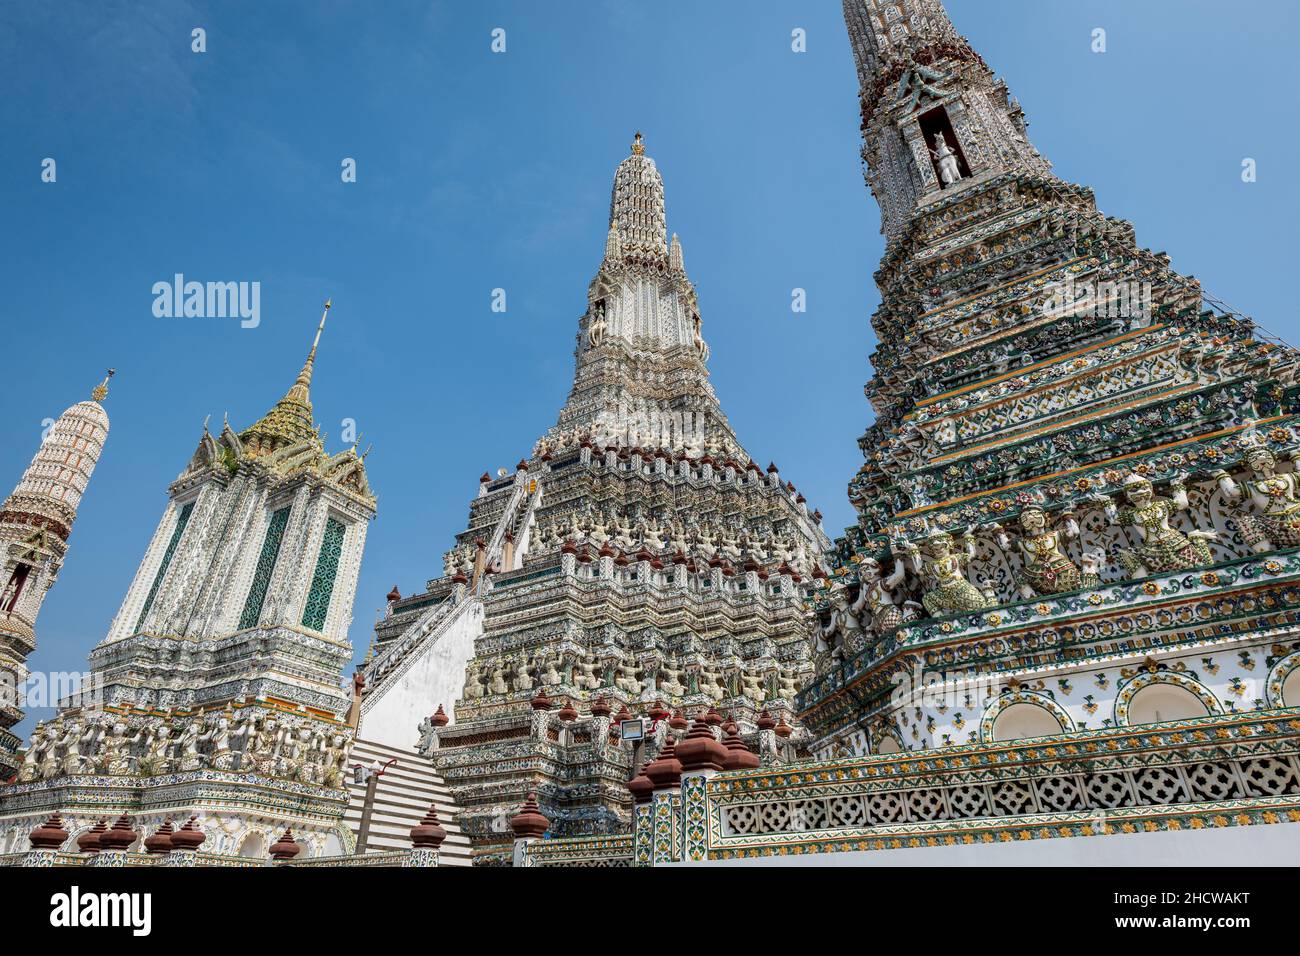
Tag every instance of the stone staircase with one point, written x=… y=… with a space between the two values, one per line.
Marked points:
x=405 y=791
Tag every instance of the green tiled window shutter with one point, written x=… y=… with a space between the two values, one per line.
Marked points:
x=181 y=522
x=322 y=582
x=265 y=565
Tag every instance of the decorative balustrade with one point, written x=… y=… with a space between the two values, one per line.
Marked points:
x=1227 y=770
x=388 y=858
x=391 y=858
x=584 y=851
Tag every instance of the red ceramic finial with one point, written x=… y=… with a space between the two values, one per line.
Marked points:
x=739 y=756
x=161 y=841
x=700 y=750
x=188 y=837
x=285 y=848
x=88 y=842
x=50 y=835
x=428 y=833
x=120 y=836
x=665 y=771
x=529 y=822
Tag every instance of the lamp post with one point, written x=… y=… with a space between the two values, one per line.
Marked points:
x=370 y=776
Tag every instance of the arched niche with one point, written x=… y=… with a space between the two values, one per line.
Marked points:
x=1023 y=714
x=1284 y=682
x=253 y=845
x=1025 y=720
x=1161 y=698
x=888 y=744
x=1291 y=689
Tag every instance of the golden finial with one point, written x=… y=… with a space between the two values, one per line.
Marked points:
x=100 y=391
x=638 y=146
x=302 y=385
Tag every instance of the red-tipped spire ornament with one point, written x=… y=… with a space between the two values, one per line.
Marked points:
x=529 y=823
x=285 y=848
x=428 y=833
x=50 y=835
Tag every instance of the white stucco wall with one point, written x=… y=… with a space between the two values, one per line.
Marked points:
x=433 y=674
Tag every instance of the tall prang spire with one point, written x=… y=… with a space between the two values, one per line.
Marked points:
x=934 y=116
x=35 y=524
x=636 y=203
x=640 y=376
x=1065 y=438
x=881 y=31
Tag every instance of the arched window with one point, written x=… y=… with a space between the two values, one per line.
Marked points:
x=1025 y=720
x=14 y=589
x=1159 y=702
x=888 y=745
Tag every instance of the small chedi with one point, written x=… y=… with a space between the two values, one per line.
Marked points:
x=637 y=562
x=35 y=524
x=216 y=697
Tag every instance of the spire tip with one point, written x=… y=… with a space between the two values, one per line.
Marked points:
x=100 y=391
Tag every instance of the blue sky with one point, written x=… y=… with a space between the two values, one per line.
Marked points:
x=478 y=171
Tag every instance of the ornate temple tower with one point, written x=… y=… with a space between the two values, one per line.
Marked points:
x=1079 y=507
x=35 y=523
x=641 y=379
x=259 y=549
x=217 y=691
x=637 y=562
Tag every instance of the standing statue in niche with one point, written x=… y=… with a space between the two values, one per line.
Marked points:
x=946 y=159
x=1046 y=568
x=596 y=331
x=1267 y=504
x=1147 y=517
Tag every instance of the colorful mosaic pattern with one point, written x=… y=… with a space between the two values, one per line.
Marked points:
x=322 y=582
x=181 y=522
x=643 y=835
x=666 y=827
x=265 y=566
x=695 y=817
